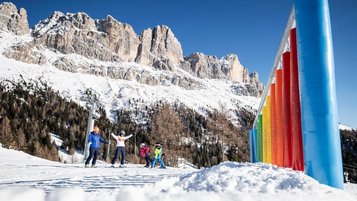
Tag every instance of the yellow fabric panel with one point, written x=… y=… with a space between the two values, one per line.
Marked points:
x=268 y=133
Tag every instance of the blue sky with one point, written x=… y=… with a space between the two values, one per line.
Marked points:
x=251 y=29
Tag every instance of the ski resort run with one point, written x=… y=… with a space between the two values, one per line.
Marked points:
x=25 y=177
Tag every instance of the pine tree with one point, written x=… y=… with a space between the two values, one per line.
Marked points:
x=38 y=150
x=168 y=129
x=21 y=139
x=6 y=137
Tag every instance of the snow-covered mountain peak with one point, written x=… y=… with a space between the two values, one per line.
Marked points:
x=8 y=7
x=110 y=40
x=60 y=23
x=230 y=57
x=109 y=57
x=12 y=19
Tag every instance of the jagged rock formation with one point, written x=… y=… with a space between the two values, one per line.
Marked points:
x=105 y=40
x=112 y=43
x=13 y=20
x=254 y=80
x=27 y=53
x=159 y=47
x=211 y=67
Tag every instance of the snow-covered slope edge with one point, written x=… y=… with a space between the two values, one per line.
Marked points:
x=344 y=127
x=31 y=178
x=116 y=93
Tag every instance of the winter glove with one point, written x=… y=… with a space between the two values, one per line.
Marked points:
x=89 y=143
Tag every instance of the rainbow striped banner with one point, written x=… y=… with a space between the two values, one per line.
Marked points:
x=297 y=123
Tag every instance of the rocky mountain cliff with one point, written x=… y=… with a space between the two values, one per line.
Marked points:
x=13 y=20
x=56 y=39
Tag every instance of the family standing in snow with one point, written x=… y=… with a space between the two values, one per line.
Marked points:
x=94 y=140
x=120 y=147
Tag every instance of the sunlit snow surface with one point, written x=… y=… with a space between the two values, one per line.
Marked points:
x=24 y=177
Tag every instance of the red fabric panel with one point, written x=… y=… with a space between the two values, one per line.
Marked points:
x=286 y=111
x=298 y=155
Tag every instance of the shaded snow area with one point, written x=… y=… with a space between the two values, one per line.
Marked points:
x=77 y=157
x=24 y=177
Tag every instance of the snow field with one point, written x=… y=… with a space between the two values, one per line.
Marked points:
x=25 y=177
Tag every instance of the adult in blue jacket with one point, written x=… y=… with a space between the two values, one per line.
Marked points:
x=94 y=140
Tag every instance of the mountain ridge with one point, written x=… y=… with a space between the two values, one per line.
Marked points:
x=113 y=41
x=200 y=82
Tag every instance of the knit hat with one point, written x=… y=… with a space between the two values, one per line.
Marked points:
x=142 y=145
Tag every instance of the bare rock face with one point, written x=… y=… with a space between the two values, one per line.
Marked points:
x=107 y=43
x=235 y=70
x=121 y=38
x=13 y=20
x=206 y=66
x=26 y=53
x=159 y=48
x=254 y=80
x=108 y=40
x=203 y=66
x=65 y=64
x=144 y=56
x=105 y=40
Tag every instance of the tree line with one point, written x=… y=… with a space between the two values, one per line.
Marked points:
x=349 y=153
x=29 y=112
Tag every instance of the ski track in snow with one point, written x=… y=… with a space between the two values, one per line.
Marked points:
x=52 y=177
x=22 y=171
x=88 y=183
x=25 y=177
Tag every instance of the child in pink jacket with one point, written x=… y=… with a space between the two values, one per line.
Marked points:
x=144 y=151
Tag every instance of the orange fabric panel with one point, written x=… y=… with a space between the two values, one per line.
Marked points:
x=279 y=117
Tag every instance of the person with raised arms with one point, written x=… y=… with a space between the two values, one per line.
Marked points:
x=120 y=138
